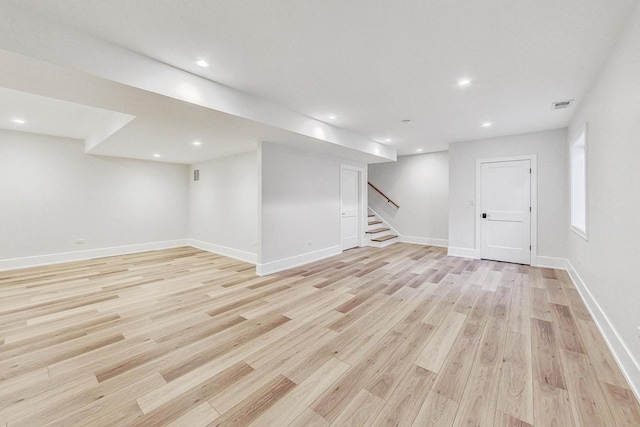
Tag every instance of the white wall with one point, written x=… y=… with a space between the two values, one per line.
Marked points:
x=608 y=263
x=300 y=203
x=223 y=206
x=550 y=148
x=53 y=194
x=420 y=185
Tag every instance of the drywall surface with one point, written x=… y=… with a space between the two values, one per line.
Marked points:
x=608 y=263
x=59 y=44
x=300 y=205
x=54 y=195
x=420 y=185
x=223 y=205
x=550 y=149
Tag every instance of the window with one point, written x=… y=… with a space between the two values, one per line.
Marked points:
x=578 y=156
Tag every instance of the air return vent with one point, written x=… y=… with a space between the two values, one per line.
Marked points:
x=196 y=175
x=561 y=105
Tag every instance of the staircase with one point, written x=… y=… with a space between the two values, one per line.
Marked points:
x=378 y=233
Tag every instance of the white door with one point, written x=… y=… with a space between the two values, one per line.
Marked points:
x=506 y=211
x=349 y=209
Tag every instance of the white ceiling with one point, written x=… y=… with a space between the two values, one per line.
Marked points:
x=49 y=116
x=119 y=120
x=375 y=63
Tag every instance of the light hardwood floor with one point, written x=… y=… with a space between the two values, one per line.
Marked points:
x=397 y=336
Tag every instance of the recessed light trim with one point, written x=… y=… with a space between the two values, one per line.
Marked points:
x=419 y=150
x=332 y=117
x=464 y=82
x=197 y=143
x=19 y=121
x=202 y=63
x=387 y=140
x=487 y=124
x=156 y=155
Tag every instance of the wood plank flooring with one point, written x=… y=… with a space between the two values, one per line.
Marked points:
x=402 y=335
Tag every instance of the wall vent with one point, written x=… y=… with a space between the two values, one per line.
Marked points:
x=196 y=175
x=561 y=105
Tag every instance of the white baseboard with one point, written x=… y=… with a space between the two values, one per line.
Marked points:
x=412 y=239
x=49 y=259
x=550 y=262
x=443 y=243
x=295 y=261
x=540 y=261
x=627 y=363
x=462 y=252
x=225 y=251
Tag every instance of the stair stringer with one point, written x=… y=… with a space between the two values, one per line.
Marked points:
x=384 y=224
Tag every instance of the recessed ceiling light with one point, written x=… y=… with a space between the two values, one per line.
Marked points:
x=332 y=117
x=202 y=63
x=156 y=155
x=197 y=143
x=419 y=150
x=387 y=140
x=19 y=121
x=487 y=124
x=464 y=82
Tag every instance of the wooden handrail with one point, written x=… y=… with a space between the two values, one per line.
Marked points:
x=384 y=195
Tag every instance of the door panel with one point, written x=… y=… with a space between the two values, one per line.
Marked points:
x=349 y=209
x=506 y=201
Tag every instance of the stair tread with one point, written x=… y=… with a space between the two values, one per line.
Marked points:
x=375 y=222
x=377 y=230
x=384 y=238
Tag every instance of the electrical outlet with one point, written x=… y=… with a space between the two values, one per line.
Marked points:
x=79 y=241
x=309 y=243
x=254 y=244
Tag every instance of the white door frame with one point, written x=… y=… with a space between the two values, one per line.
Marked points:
x=361 y=202
x=533 y=158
